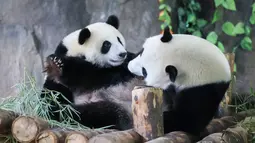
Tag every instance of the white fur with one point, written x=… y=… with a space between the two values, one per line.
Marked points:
x=91 y=48
x=198 y=62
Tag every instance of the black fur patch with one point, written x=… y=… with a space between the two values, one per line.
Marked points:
x=172 y=72
x=193 y=108
x=144 y=72
x=77 y=73
x=61 y=49
x=167 y=36
x=106 y=47
x=119 y=41
x=113 y=20
x=84 y=35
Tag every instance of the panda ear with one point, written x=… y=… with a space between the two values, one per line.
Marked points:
x=113 y=21
x=172 y=72
x=83 y=35
x=167 y=36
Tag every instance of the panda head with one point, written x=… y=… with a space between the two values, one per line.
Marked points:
x=99 y=43
x=180 y=60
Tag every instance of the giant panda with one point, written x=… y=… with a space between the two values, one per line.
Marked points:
x=193 y=73
x=89 y=67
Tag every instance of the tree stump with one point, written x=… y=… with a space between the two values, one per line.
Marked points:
x=147 y=112
x=25 y=129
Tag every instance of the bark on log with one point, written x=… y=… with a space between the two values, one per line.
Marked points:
x=147 y=112
x=25 y=128
x=218 y=125
x=128 y=136
x=173 y=137
x=84 y=136
x=6 y=119
x=54 y=135
x=228 y=95
x=231 y=135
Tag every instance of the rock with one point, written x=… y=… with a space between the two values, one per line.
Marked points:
x=18 y=51
x=138 y=18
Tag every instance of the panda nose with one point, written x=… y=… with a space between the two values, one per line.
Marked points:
x=123 y=55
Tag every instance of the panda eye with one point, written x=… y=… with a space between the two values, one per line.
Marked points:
x=106 y=47
x=144 y=72
x=119 y=40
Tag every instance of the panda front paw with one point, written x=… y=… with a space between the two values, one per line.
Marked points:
x=57 y=61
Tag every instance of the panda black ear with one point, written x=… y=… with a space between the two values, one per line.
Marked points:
x=113 y=21
x=83 y=35
x=167 y=36
x=172 y=72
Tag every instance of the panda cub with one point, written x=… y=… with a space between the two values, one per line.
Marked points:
x=193 y=73
x=89 y=67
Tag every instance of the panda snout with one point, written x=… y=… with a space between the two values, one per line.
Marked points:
x=123 y=55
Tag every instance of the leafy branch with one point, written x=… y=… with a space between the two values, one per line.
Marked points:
x=164 y=15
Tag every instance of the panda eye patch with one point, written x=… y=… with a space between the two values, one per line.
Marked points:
x=106 y=47
x=144 y=72
x=119 y=40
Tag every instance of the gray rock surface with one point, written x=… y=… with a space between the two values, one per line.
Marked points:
x=31 y=30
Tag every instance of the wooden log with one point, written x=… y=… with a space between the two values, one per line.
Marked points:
x=218 y=125
x=174 y=137
x=84 y=136
x=128 y=136
x=6 y=119
x=25 y=128
x=54 y=135
x=231 y=135
x=147 y=112
x=228 y=95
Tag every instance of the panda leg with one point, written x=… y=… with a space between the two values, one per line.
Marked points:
x=104 y=113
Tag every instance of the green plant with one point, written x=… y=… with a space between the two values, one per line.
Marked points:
x=190 y=23
x=164 y=15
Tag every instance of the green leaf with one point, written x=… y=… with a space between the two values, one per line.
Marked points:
x=239 y=28
x=253 y=7
x=191 y=30
x=163 y=25
x=229 y=4
x=167 y=18
x=235 y=67
x=228 y=28
x=212 y=37
x=197 y=33
x=168 y=8
x=201 y=23
x=221 y=46
x=162 y=6
x=191 y=18
x=252 y=18
x=247 y=30
x=181 y=11
x=217 y=15
x=218 y=2
x=246 y=43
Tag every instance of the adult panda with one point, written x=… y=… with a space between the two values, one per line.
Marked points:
x=193 y=73
x=89 y=67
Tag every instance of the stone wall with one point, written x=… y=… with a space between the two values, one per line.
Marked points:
x=31 y=29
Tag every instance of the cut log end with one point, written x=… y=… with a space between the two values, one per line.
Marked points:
x=76 y=137
x=47 y=137
x=24 y=129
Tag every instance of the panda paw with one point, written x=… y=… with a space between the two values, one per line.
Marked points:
x=57 y=61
